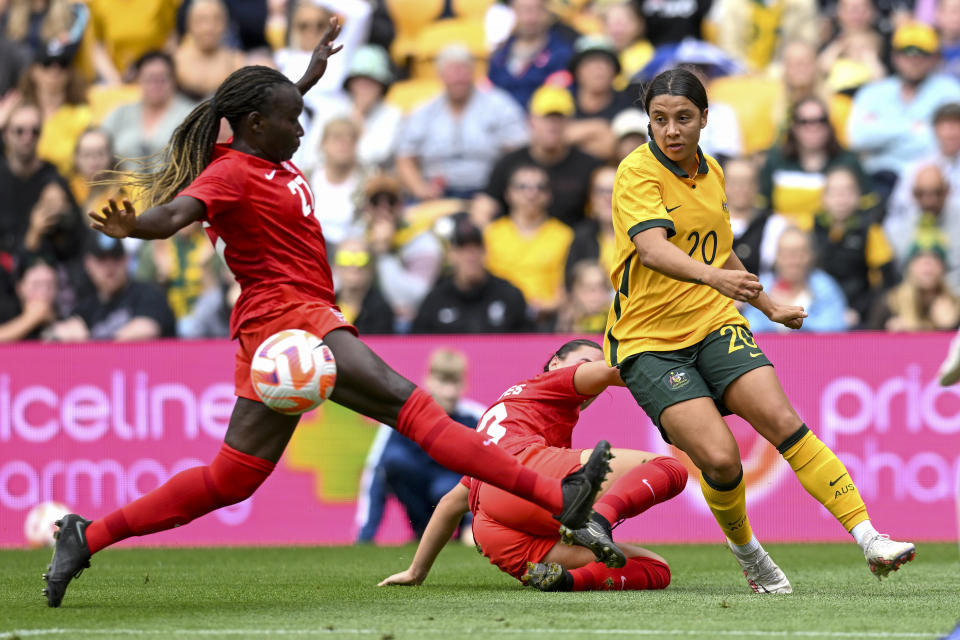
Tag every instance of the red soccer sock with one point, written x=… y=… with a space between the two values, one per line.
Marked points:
x=231 y=477
x=639 y=573
x=471 y=453
x=642 y=487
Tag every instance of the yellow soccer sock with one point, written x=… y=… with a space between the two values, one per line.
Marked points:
x=824 y=477
x=729 y=506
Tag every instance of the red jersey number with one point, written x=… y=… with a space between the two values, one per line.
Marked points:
x=491 y=423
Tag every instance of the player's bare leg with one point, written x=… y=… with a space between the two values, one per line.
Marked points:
x=758 y=397
x=697 y=428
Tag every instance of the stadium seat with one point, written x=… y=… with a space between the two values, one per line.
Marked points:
x=406 y=95
x=104 y=99
x=433 y=38
x=473 y=9
x=424 y=215
x=409 y=17
x=754 y=99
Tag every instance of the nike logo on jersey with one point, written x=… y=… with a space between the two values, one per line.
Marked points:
x=756 y=355
x=269 y=176
x=672 y=209
x=837 y=480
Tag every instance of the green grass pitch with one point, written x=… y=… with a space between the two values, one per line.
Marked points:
x=331 y=593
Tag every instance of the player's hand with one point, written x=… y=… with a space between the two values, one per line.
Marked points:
x=789 y=316
x=114 y=221
x=404 y=578
x=739 y=285
x=318 y=61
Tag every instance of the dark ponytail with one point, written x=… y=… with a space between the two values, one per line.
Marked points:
x=162 y=176
x=567 y=347
x=676 y=82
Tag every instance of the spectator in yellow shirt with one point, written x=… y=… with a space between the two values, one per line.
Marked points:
x=527 y=247
x=60 y=93
x=124 y=30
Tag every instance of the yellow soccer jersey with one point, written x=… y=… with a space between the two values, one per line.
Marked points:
x=535 y=263
x=651 y=311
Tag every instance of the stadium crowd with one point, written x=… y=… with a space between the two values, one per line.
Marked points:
x=462 y=155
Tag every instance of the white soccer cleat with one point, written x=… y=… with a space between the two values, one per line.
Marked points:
x=950 y=369
x=885 y=555
x=762 y=573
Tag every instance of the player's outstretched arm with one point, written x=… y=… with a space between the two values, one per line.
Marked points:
x=661 y=255
x=591 y=378
x=318 y=61
x=161 y=221
x=442 y=524
x=788 y=315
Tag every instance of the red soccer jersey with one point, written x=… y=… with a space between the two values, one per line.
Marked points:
x=259 y=216
x=541 y=410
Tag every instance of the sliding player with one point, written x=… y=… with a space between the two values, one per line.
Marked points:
x=533 y=420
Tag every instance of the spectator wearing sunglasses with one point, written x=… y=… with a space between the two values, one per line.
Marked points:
x=60 y=92
x=408 y=256
x=528 y=248
x=934 y=210
x=792 y=180
x=37 y=213
x=357 y=293
x=307 y=21
x=890 y=123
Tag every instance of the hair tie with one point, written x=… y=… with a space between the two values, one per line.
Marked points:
x=213 y=106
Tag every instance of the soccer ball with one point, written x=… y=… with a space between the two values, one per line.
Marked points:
x=293 y=372
x=38 y=528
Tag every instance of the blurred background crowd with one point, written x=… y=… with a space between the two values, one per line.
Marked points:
x=462 y=155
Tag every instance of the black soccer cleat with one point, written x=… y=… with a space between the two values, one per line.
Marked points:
x=547 y=577
x=597 y=536
x=580 y=488
x=71 y=556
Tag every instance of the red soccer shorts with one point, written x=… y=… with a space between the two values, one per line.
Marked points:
x=316 y=317
x=512 y=531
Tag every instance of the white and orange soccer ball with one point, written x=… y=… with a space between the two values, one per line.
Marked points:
x=293 y=371
x=38 y=528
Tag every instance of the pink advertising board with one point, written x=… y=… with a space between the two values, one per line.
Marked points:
x=97 y=425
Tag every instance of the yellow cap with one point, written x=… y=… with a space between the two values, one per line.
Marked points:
x=916 y=36
x=551 y=100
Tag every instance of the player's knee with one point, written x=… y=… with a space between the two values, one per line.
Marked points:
x=784 y=423
x=659 y=574
x=721 y=467
x=676 y=472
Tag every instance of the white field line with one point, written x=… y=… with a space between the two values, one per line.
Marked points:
x=180 y=633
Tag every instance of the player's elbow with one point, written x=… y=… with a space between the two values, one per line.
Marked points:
x=647 y=254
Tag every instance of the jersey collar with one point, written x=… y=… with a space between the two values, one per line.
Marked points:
x=670 y=164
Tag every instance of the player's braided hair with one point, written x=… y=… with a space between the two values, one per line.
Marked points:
x=163 y=175
x=567 y=347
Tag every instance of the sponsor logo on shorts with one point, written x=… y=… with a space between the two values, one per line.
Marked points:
x=677 y=380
